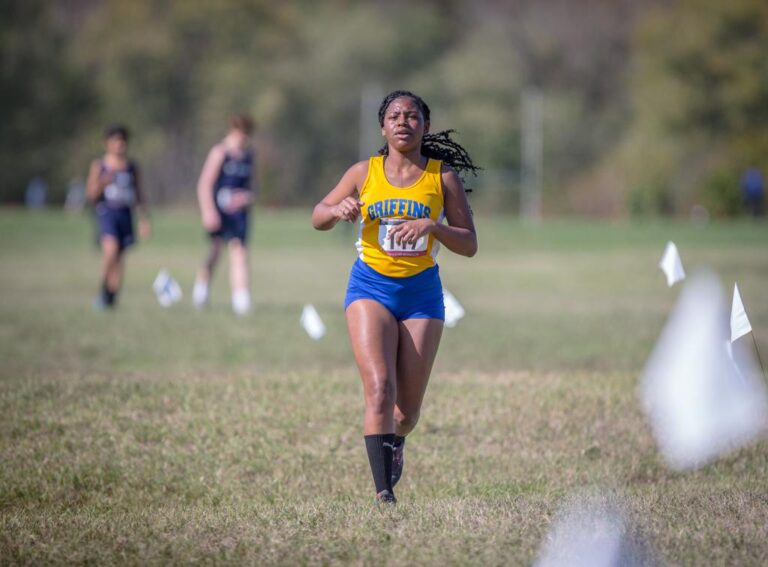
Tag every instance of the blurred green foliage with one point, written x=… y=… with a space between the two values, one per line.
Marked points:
x=663 y=95
x=718 y=194
x=699 y=91
x=43 y=96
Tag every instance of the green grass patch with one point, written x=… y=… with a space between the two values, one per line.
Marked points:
x=172 y=436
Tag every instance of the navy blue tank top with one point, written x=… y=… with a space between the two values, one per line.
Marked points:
x=121 y=192
x=235 y=173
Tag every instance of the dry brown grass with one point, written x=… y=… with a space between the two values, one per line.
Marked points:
x=147 y=436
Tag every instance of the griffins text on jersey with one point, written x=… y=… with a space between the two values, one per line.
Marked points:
x=398 y=207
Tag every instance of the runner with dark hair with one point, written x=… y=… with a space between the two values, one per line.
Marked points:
x=114 y=188
x=394 y=302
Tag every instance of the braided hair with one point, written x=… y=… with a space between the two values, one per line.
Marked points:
x=439 y=145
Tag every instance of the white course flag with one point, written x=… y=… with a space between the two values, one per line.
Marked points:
x=672 y=265
x=167 y=289
x=739 y=321
x=453 y=309
x=591 y=531
x=699 y=404
x=312 y=323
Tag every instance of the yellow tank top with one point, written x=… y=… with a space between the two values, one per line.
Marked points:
x=385 y=206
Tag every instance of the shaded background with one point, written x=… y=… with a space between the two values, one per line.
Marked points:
x=645 y=107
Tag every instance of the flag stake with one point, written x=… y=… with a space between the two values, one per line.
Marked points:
x=757 y=351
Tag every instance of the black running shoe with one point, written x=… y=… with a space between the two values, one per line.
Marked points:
x=398 y=458
x=386 y=497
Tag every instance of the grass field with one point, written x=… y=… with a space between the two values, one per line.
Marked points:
x=171 y=436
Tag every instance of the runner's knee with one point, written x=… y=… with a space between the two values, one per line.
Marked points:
x=110 y=248
x=406 y=420
x=236 y=246
x=380 y=396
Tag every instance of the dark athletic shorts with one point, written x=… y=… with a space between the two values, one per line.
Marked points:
x=116 y=222
x=233 y=226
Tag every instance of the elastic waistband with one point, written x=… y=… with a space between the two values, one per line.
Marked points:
x=425 y=274
x=103 y=206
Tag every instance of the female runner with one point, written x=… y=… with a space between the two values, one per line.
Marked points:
x=225 y=196
x=394 y=302
x=114 y=189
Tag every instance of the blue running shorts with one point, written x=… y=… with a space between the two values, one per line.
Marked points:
x=414 y=297
x=116 y=222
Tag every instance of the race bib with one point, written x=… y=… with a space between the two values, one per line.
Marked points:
x=226 y=199
x=119 y=195
x=223 y=198
x=392 y=248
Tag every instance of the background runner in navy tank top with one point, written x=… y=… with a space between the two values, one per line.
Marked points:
x=225 y=196
x=121 y=192
x=235 y=175
x=114 y=205
x=233 y=180
x=113 y=187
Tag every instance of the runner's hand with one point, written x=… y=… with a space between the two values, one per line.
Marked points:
x=105 y=179
x=211 y=220
x=410 y=231
x=145 y=228
x=239 y=200
x=348 y=210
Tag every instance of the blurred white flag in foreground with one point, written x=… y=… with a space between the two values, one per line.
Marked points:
x=699 y=403
x=453 y=309
x=672 y=265
x=590 y=531
x=312 y=323
x=167 y=289
x=739 y=321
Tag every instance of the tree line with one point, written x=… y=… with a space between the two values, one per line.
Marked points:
x=648 y=108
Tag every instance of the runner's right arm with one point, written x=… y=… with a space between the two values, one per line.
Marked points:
x=205 y=185
x=97 y=181
x=342 y=202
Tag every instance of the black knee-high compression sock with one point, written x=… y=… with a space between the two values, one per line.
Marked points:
x=379 y=449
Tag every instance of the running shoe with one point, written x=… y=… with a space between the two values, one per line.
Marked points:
x=398 y=458
x=241 y=302
x=200 y=294
x=101 y=303
x=386 y=497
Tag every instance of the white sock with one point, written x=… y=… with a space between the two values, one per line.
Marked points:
x=200 y=294
x=241 y=301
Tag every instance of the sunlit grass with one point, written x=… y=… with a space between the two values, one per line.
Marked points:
x=152 y=436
